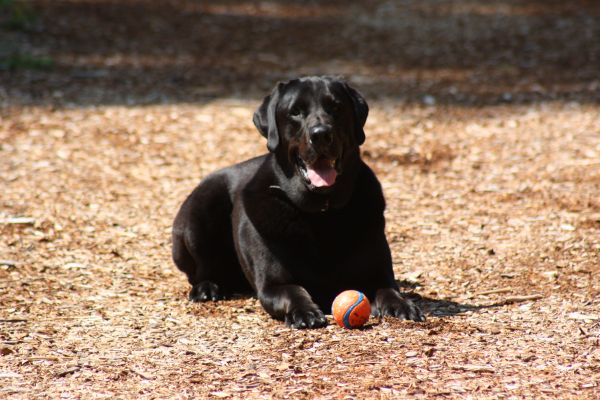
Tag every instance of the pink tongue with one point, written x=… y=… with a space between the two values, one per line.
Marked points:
x=321 y=173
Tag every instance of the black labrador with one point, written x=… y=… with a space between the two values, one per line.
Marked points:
x=300 y=224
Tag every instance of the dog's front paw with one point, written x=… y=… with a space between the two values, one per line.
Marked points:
x=305 y=319
x=391 y=304
x=205 y=291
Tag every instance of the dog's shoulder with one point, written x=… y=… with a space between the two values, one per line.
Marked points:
x=235 y=177
x=224 y=185
x=369 y=191
x=240 y=174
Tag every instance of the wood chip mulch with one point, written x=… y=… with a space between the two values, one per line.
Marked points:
x=484 y=131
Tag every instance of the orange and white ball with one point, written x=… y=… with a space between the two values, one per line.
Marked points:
x=351 y=309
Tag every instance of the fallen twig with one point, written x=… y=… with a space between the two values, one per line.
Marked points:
x=518 y=299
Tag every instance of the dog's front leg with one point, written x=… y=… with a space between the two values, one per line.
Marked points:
x=293 y=304
x=274 y=250
x=279 y=290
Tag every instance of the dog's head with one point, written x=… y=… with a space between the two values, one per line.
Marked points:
x=314 y=126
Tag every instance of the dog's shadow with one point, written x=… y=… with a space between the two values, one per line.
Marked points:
x=439 y=307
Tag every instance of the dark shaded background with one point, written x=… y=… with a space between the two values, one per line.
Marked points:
x=463 y=52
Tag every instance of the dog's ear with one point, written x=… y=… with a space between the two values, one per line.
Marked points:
x=361 y=111
x=264 y=118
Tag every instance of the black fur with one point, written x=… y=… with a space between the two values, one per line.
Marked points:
x=263 y=226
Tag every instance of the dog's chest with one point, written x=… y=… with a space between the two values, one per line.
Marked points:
x=335 y=234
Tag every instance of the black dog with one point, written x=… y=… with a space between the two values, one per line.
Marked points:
x=300 y=224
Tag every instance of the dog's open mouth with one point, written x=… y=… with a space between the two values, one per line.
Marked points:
x=320 y=173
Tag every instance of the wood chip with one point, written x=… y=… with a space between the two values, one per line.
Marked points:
x=220 y=395
x=18 y=221
x=142 y=375
x=9 y=375
x=474 y=368
x=8 y=263
x=584 y=317
x=67 y=371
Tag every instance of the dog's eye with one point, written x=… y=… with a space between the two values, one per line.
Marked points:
x=333 y=107
x=296 y=112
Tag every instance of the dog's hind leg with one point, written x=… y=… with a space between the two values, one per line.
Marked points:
x=203 y=243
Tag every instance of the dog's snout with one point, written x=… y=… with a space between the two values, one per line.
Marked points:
x=321 y=135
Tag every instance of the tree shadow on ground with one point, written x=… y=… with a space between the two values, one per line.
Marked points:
x=444 y=52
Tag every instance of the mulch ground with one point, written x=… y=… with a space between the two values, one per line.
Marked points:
x=484 y=131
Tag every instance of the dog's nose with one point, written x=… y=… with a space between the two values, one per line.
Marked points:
x=320 y=135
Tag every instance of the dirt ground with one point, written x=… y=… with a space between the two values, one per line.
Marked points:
x=484 y=131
